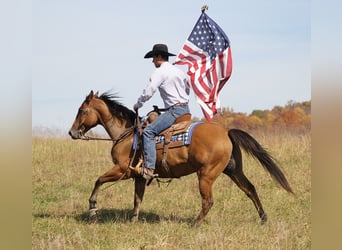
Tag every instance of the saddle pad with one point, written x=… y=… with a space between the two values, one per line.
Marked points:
x=184 y=138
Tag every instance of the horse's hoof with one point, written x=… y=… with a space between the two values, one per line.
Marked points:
x=263 y=218
x=196 y=223
x=134 y=219
x=93 y=212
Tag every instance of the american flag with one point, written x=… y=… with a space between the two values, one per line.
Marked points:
x=208 y=56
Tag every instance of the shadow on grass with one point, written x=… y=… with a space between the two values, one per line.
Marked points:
x=124 y=216
x=104 y=216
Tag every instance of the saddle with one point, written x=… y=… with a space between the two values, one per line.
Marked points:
x=180 y=126
x=178 y=135
x=174 y=136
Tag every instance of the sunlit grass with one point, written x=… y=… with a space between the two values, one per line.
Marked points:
x=64 y=172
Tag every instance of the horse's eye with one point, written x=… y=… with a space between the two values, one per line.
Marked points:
x=84 y=111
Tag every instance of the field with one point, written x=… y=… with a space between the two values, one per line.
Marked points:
x=64 y=172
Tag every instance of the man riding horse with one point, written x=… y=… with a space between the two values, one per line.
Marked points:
x=213 y=149
x=174 y=89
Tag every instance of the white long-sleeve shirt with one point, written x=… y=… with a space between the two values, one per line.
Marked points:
x=172 y=83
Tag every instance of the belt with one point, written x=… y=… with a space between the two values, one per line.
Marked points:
x=179 y=104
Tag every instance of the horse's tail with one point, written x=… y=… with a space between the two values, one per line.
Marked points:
x=242 y=139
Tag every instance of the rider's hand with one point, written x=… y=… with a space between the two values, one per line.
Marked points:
x=135 y=107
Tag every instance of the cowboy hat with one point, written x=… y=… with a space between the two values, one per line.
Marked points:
x=158 y=49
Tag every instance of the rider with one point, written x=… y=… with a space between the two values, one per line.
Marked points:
x=174 y=89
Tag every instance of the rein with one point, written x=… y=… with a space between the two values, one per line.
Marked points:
x=116 y=140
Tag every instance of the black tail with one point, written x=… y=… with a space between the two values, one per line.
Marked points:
x=242 y=139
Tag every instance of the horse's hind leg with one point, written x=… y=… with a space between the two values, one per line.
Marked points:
x=205 y=188
x=237 y=175
x=111 y=175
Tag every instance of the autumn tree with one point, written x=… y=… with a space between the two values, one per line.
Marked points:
x=293 y=115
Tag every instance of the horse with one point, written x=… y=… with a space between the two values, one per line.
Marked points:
x=213 y=150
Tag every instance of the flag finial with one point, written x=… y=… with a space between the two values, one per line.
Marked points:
x=204 y=8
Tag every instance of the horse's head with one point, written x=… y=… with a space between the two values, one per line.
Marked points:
x=86 y=117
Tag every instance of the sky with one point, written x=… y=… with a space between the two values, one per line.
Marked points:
x=84 y=45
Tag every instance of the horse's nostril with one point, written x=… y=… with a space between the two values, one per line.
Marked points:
x=70 y=133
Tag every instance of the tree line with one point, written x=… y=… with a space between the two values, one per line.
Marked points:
x=294 y=115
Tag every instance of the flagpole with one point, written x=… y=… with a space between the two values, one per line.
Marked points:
x=204 y=8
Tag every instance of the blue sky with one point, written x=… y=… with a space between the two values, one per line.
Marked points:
x=84 y=45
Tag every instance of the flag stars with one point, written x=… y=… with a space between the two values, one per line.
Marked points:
x=208 y=37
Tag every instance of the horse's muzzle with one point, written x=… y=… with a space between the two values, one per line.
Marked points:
x=75 y=134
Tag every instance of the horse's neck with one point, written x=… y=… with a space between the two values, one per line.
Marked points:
x=114 y=127
x=112 y=124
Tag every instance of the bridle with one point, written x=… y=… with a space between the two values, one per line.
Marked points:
x=122 y=136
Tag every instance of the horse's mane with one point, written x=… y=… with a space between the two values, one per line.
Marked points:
x=116 y=108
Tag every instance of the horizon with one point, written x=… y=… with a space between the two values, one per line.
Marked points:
x=49 y=132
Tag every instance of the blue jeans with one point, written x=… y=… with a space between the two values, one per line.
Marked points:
x=164 y=121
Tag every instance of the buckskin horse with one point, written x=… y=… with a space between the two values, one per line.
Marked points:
x=213 y=150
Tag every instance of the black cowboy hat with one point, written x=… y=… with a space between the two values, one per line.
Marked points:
x=158 y=49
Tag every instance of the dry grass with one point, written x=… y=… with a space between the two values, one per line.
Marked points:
x=64 y=172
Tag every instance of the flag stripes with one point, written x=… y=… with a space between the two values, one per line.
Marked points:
x=208 y=56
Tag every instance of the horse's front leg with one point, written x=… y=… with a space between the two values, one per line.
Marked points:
x=139 y=190
x=112 y=175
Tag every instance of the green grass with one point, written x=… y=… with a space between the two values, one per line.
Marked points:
x=64 y=172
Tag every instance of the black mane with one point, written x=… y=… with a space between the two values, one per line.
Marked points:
x=117 y=109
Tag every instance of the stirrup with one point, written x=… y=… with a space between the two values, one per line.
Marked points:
x=137 y=169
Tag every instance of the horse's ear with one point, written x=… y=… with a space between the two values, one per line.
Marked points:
x=90 y=96
x=97 y=94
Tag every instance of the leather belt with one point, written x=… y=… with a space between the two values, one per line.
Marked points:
x=179 y=104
